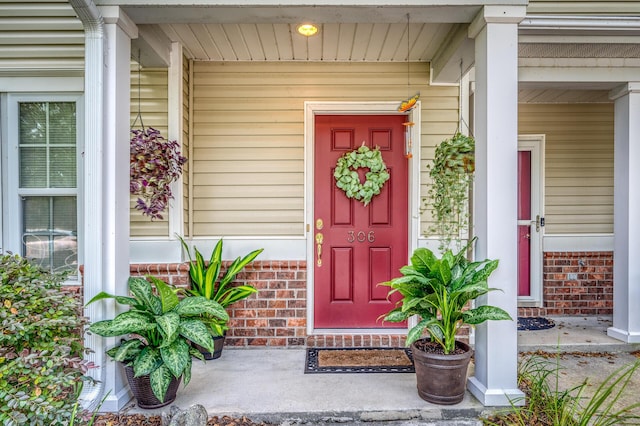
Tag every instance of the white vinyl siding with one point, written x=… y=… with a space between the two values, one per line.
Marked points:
x=578 y=164
x=43 y=35
x=592 y=7
x=153 y=111
x=248 y=135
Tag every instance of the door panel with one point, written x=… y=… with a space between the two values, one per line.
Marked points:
x=524 y=223
x=364 y=245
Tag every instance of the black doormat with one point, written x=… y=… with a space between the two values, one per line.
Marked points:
x=359 y=360
x=534 y=323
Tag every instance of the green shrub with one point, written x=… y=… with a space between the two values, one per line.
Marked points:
x=41 y=345
x=546 y=404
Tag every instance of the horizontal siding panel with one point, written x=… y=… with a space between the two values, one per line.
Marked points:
x=36 y=9
x=240 y=153
x=250 y=191
x=575 y=228
x=560 y=202
x=42 y=37
x=598 y=211
x=551 y=191
x=40 y=23
x=243 y=178
x=256 y=166
x=232 y=141
x=577 y=181
x=244 y=203
x=247 y=229
x=247 y=216
x=578 y=164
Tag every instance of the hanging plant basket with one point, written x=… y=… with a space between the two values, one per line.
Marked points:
x=348 y=179
x=452 y=178
x=155 y=163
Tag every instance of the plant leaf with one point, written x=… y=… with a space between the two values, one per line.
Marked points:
x=125 y=323
x=160 y=379
x=127 y=351
x=168 y=297
x=168 y=325
x=197 y=332
x=484 y=313
x=142 y=291
x=148 y=360
x=198 y=305
x=176 y=356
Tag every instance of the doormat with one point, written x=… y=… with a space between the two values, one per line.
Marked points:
x=534 y=323
x=359 y=360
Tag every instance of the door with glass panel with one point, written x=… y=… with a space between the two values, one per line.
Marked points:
x=41 y=201
x=530 y=219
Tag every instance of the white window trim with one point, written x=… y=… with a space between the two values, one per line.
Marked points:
x=10 y=231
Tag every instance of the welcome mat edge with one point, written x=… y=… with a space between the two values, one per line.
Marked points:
x=312 y=367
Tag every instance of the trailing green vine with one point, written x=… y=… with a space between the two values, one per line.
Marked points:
x=347 y=178
x=448 y=197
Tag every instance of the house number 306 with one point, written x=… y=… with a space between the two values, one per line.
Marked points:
x=361 y=236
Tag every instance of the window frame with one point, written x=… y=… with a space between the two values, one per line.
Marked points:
x=12 y=215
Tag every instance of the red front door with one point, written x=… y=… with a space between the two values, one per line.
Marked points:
x=357 y=246
x=524 y=223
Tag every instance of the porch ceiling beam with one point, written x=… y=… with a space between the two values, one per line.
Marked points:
x=580 y=25
x=531 y=71
x=291 y=11
x=454 y=58
x=153 y=46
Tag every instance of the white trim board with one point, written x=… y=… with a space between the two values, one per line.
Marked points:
x=165 y=250
x=575 y=243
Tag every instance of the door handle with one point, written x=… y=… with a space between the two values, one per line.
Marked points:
x=539 y=222
x=319 y=240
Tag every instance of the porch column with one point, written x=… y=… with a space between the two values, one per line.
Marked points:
x=626 y=214
x=113 y=196
x=495 y=31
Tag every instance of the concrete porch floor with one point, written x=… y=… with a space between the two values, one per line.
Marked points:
x=270 y=385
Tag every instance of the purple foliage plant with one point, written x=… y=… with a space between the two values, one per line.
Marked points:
x=155 y=163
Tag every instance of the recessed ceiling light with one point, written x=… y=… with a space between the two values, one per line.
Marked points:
x=307 y=30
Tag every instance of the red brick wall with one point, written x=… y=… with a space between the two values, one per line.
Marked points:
x=590 y=293
x=276 y=315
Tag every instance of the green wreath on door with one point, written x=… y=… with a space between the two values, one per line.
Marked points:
x=347 y=178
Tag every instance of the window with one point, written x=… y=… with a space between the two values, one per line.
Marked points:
x=41 y=202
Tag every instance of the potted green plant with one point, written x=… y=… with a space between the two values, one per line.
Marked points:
x=158 y=329
x=448 y=197
x=439 y=290
x=207 y=281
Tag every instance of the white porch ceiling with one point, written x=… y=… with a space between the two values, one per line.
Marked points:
x=262 y=31
x=354 y=42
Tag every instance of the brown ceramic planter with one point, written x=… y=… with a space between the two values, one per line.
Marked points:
x=442 y=379
x=141 y=388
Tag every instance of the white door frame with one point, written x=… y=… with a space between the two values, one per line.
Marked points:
x=535 y=144
x=313 y=108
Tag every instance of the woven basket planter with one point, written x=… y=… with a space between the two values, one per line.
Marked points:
x=141 y=388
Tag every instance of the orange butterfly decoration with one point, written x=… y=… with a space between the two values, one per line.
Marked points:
x=406 y=105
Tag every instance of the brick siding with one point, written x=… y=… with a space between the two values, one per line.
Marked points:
x=590 y=293
x=276 y=316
